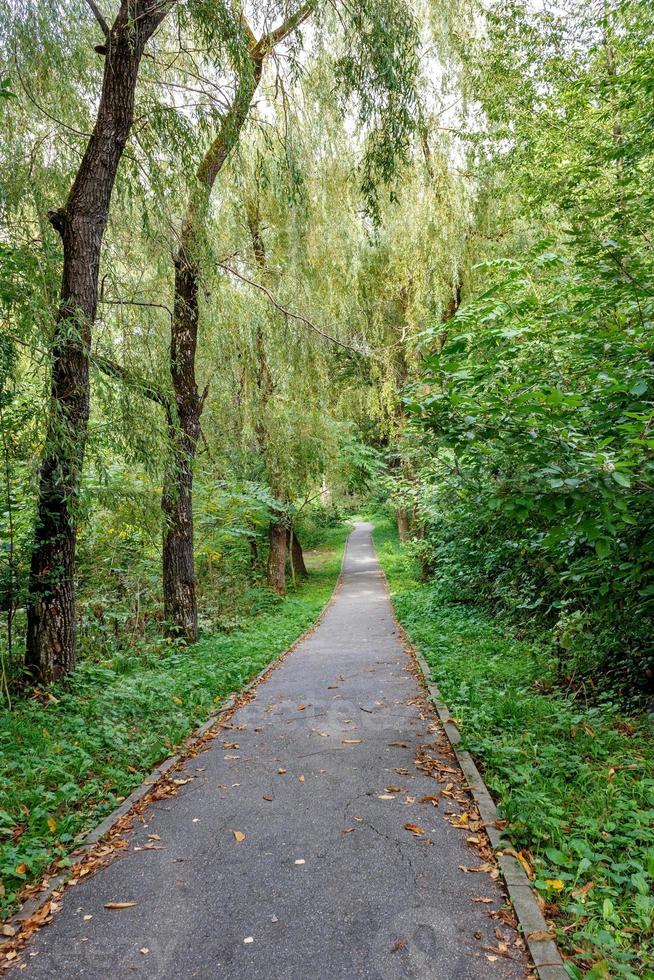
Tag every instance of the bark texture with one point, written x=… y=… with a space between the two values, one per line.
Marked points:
x=277 y=538
x=81 y=224
x=297 y=555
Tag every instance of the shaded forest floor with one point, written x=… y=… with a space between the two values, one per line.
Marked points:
x=574 y=780
x=71 y=756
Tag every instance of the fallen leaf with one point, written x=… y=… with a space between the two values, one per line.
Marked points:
x=281 y=772
x=300 y=861
x=385 y=796
x=120 y=905
x=230 y=757
x=52 y=824
x=144 y=950
x=21 y=869
x=555 y=883
x=350 y=741
x=460 y=821
x=249 y=939
x=524 y=861
x=8 y=930
x=300 y=779
x=430 y=799
x=399 y=745
x=231 y=745
x=350 y=830
x=483 y=900
x=541 y=936
x=302 y=707
x=238 y=835
x=414 y=829
x=87 y=917
x=267 y=798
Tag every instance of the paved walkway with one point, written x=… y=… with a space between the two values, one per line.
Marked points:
x=327 y=883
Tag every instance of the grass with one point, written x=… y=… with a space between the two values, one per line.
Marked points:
x=70 y=759
x=575 y=781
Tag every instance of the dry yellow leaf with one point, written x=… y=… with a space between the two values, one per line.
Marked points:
x=238 y=835
x=555 y=883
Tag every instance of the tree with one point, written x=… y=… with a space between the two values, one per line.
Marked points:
x=81 y=223
x=180 y=604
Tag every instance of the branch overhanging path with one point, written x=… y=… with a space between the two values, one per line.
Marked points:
x=304 y=841
x=289 y=313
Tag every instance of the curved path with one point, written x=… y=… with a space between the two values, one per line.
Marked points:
x=327 y=883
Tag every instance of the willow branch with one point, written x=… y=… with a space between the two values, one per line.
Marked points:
x=98 y=16
x=290 y=313
x=268 y=41
x=136 y=302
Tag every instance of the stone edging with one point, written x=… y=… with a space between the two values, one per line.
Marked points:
x=544 y=951
x=95 y=835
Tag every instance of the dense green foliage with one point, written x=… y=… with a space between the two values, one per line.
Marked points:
x=71 y=756
x=531 y=463
x=573 y=779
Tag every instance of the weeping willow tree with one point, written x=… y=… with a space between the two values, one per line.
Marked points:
x=286 y=249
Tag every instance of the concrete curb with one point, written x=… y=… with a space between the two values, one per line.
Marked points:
x=544 y=952
x=29 y=907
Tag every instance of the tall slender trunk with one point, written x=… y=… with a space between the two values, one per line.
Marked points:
x=297 y=555
x=81 y=224
x=180 y=603
x=277 y=537
x=178 y=576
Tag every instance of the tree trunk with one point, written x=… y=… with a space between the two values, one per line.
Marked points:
x=402 y=524
x=81 y=224
x=178 y=566
x=297 y=555
x=277 y=537
x=180 y=603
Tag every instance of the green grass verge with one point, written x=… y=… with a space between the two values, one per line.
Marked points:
x=68 y=762
x=575 y=782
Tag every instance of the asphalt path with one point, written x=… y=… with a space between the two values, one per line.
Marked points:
x=286 y=854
